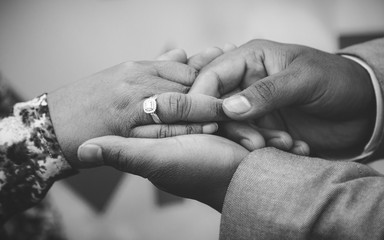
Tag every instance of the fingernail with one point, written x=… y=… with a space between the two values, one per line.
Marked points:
x=304 y=151
x=90 y=153
x=237 y=104
x=279 y=143
x=228 y=47
x=210 y=50
x=247 y=144
x=284 y=142
x=210 y=128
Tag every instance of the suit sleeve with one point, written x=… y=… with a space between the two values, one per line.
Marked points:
x=372 y=53
x=278 y=195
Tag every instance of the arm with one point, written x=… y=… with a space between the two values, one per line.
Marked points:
x=277 y=195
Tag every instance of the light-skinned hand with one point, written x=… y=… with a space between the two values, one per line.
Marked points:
x=111 y=103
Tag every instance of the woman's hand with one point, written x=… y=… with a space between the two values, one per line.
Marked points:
x=111 y=103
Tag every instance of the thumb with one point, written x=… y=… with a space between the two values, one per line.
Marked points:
x=271 y=93
x=125 y=154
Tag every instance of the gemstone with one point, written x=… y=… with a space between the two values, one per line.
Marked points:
x=149 y=105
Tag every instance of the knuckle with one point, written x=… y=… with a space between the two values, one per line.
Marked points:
x=256 y=42
x=264 y=90
x=179 y=105
x=192 y=74
x=164 y=131
x=193 y=129
x=217 y=109
x=140 y=66
x=215 y=77
x=131 y=64
x=184 y=89
x=119 y=160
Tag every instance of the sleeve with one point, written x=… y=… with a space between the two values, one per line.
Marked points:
x=372 y=54
x=30 y=157
x=373 y=144
x=278 y=195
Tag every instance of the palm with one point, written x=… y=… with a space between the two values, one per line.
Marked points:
x=202 y=164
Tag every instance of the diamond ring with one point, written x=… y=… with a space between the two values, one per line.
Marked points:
x=150 y=106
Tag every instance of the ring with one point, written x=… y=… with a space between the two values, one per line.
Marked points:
x=150 y=106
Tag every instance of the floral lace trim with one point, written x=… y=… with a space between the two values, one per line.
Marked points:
x=30 y=157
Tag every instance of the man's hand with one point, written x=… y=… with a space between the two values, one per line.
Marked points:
x=193 y=166
x=323 y=99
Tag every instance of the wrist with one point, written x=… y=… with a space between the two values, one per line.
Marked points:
x=58 y=109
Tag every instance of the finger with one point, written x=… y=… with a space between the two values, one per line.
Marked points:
x=126 y=154
x=231 y=93
x=229 y=47
x=173 y=107
x=220 y=76
x=243 y=134
x=200 y=60
x=176 y=72
x=300 y=148
x=278 y=139
x=176 y=107
x=273 y=92
x=174 y=55
x=164 y=130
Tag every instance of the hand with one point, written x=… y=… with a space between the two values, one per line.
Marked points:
x=251 y=138
x=323 y=99
x=193 y=166
x=110 y=103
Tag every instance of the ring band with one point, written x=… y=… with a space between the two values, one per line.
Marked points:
x=150 y=106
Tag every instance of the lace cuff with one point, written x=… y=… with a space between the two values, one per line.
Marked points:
x=30 y=157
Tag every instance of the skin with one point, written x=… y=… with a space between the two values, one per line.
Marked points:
x=110 y=103
x=315 y=93
x=306 y=92
x=194 y=166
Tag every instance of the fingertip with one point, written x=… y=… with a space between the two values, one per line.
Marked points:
x=283 y=142
x=235 y=106
x=210 y=128
x=229 y=47
x=253 y=143
x=300 y=148
x=206 y=83
x=212 y=52
x=177 y=55
x=202 y=59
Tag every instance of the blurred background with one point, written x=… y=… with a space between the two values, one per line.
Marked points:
x=45 y=44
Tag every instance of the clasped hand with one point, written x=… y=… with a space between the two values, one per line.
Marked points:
x=275 y=91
